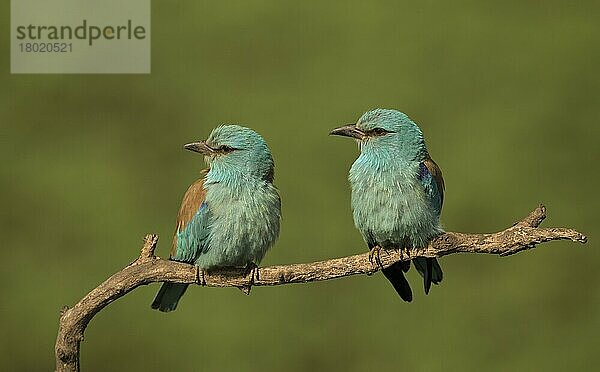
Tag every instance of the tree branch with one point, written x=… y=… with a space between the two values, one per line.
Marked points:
x=148 y=268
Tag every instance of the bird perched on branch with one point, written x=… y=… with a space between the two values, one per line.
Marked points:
x=230 y=216
x=397 y=192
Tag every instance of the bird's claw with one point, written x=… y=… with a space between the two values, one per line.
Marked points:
x=405 y=251
x=374 y=255
x=252 y=271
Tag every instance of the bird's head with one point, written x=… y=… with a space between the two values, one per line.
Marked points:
x=386 y=132
x=233 y=150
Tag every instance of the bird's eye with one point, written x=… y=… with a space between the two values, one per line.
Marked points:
x=226 y=149
x=379 y=131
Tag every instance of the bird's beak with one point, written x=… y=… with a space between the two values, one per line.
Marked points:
x=348 y=131
x=200 y=147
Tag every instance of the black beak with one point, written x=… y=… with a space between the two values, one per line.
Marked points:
x=348 y=131
x=200 y=147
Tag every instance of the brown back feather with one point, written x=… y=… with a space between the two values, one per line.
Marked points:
x=436 y=172
x=192 y=199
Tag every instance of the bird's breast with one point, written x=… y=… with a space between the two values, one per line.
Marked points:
x=390 y=206
x=244 y=225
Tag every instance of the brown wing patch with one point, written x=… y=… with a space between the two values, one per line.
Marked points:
x=192 y=199
x=436 y=172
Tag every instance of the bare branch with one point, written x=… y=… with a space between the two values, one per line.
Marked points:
x=148 y=268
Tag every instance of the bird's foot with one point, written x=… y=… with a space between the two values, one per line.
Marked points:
x=374 y=255
x=252 y=271
x=404 y=251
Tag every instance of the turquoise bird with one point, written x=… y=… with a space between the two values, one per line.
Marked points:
x=397 y=192
x=231 y=215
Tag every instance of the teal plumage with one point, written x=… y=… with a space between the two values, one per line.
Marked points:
x=397 y=191
x=229 y=217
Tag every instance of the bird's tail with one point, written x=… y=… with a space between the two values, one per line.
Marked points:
x=168 y=296
x=395 y=274
x=430 y=270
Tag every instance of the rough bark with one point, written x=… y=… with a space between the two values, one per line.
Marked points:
x=148 y=268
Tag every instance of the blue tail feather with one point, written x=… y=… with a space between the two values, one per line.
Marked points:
x=168 y=296
x=430 y=270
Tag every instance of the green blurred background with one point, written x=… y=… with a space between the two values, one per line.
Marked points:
x=507 y=95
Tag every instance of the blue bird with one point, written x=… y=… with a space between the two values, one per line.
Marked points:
x=230 y=216
x=397 y=192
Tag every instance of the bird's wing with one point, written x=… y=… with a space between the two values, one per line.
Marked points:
x=192 y=227
x=431 y=178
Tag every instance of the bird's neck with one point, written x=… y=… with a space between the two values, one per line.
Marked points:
x=382 y=168
x=235 y=179
x=393 y=160
x=390 y=152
